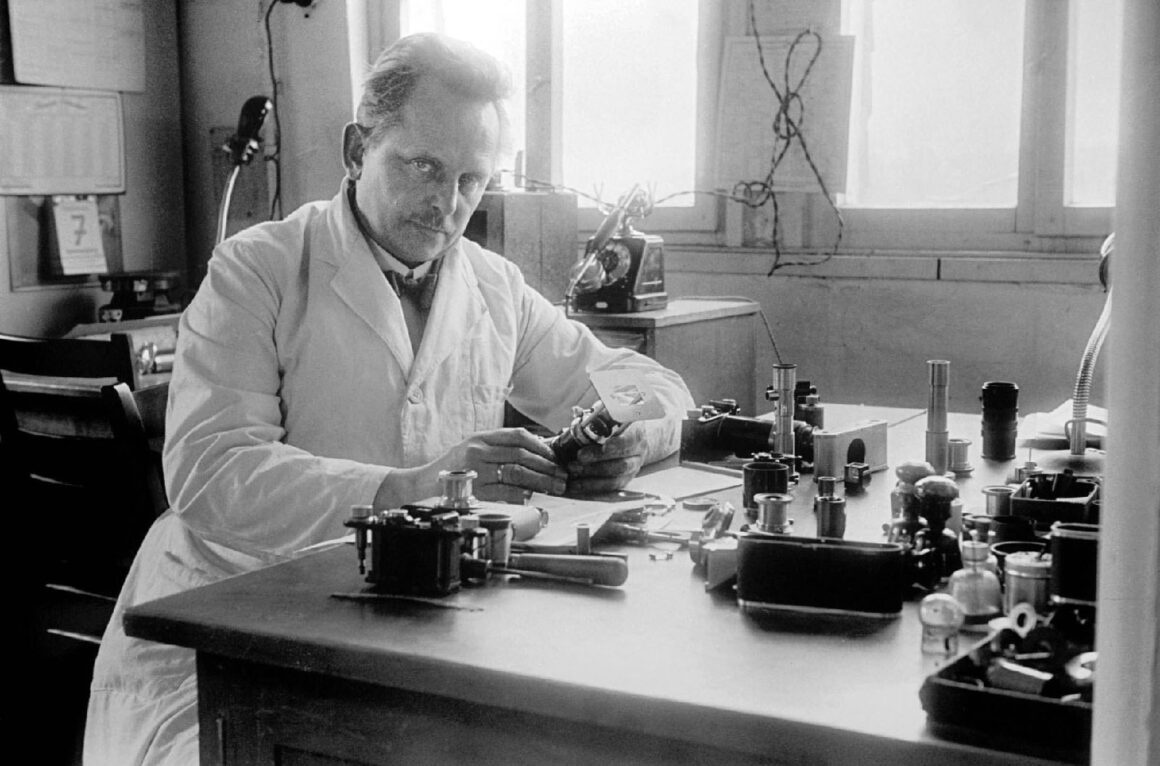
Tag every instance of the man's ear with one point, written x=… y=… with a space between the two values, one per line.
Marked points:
x=353 y=149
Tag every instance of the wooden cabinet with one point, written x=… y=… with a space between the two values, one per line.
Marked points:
x=709 y=342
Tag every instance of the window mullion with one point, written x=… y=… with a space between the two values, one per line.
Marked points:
x=544 y=110
x=1042 y=149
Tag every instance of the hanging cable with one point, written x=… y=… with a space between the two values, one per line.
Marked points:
x=275 y=155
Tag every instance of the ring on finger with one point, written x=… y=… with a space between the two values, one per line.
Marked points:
x=499 y=473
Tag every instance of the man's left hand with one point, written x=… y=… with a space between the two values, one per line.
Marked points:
x=601 y=468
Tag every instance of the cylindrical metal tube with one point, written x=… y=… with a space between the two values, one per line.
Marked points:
x=936 y=415
x=784 y=380
x=1028 y=579
x=762 y=476
x=455 y=490
x=1000 y=418
x=773 y=512
x=831 y=516
x=960 y=461
x=997 y=499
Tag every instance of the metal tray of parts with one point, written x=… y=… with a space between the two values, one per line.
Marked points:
x=960 y=707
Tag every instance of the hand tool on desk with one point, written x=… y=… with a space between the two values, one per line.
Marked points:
x=636 y=534
x=597 y=570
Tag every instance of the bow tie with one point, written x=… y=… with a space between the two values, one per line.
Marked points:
x=420 y=291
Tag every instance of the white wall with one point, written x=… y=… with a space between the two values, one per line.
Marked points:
x=867 y=339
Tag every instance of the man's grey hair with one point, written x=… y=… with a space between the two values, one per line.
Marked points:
x=458 y=65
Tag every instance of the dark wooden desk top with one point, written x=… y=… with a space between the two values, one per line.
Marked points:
x=658 y=655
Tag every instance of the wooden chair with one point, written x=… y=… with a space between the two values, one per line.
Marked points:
x=138 y=422
x=78 y=508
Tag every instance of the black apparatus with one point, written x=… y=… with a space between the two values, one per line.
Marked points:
x=431 y=550
x=622 y=270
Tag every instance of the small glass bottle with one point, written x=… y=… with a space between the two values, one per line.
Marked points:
x=941 y=617
x=976 y=587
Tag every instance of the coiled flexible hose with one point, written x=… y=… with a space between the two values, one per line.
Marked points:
x=1077 y=438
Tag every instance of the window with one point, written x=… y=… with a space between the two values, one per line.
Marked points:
x=982 y=124
x=625 y=78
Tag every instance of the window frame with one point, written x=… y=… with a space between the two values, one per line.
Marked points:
x=544 y=115
x=1040 y=222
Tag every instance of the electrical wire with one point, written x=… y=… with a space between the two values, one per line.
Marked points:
x=760 y=312
x=275 y=156
x=786 y=129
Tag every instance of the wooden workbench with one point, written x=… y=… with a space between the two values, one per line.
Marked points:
x=526 y=672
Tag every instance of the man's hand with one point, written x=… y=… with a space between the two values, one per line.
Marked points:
x=608 y=467
x=510 y=464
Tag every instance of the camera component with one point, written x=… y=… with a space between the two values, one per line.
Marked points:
x=937 y=448
x=862 y=442
x=781 y=393
x=783 y=572
x=921 y=504
x=855 y=477
x=1000 y=419
x=622 y=270
x=429 y=550
x=1050 y=497
x=762 y=476
x=624 y=399
x=829 y=509
x=806 y=404
x=716 y=431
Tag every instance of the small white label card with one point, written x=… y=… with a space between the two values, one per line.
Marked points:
x=78 y=235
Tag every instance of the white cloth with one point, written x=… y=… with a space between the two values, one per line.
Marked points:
x=294 y=392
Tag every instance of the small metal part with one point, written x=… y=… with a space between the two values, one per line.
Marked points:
x=960 y=462
x=583 y=538
x=361 y=513
x=827 y=485
x=831 y=516
x=455 y=489
x=936 y=415
x=855 y=477
x=997 y=499
x=1011 y=676
x=773 y=512
x=660 y=555
x=781 y=394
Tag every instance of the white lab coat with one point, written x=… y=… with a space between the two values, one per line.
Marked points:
x=294 y=392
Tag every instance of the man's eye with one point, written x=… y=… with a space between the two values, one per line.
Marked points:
x=426 y=167
x=468 y=184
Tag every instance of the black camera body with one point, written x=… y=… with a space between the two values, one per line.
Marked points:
x=415 y=551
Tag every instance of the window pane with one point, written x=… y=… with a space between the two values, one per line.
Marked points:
x=936 y=103
x=1093 y=86
x=629 y=96
x=497 y=26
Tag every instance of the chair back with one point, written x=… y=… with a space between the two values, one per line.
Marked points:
x=70 y=357
x=138 y=423
x=56 y=439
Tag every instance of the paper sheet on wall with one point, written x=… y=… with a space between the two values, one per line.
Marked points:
x=78 y=235
x=57 y=141
x=747 y=106
x=79 y=43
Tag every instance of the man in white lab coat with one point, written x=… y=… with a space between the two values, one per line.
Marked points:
x=303 y=384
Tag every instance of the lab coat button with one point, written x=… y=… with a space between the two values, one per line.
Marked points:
x=415 y=397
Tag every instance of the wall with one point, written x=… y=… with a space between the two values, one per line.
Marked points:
x=866 y=338
x=224 y=63
x=152 y=208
